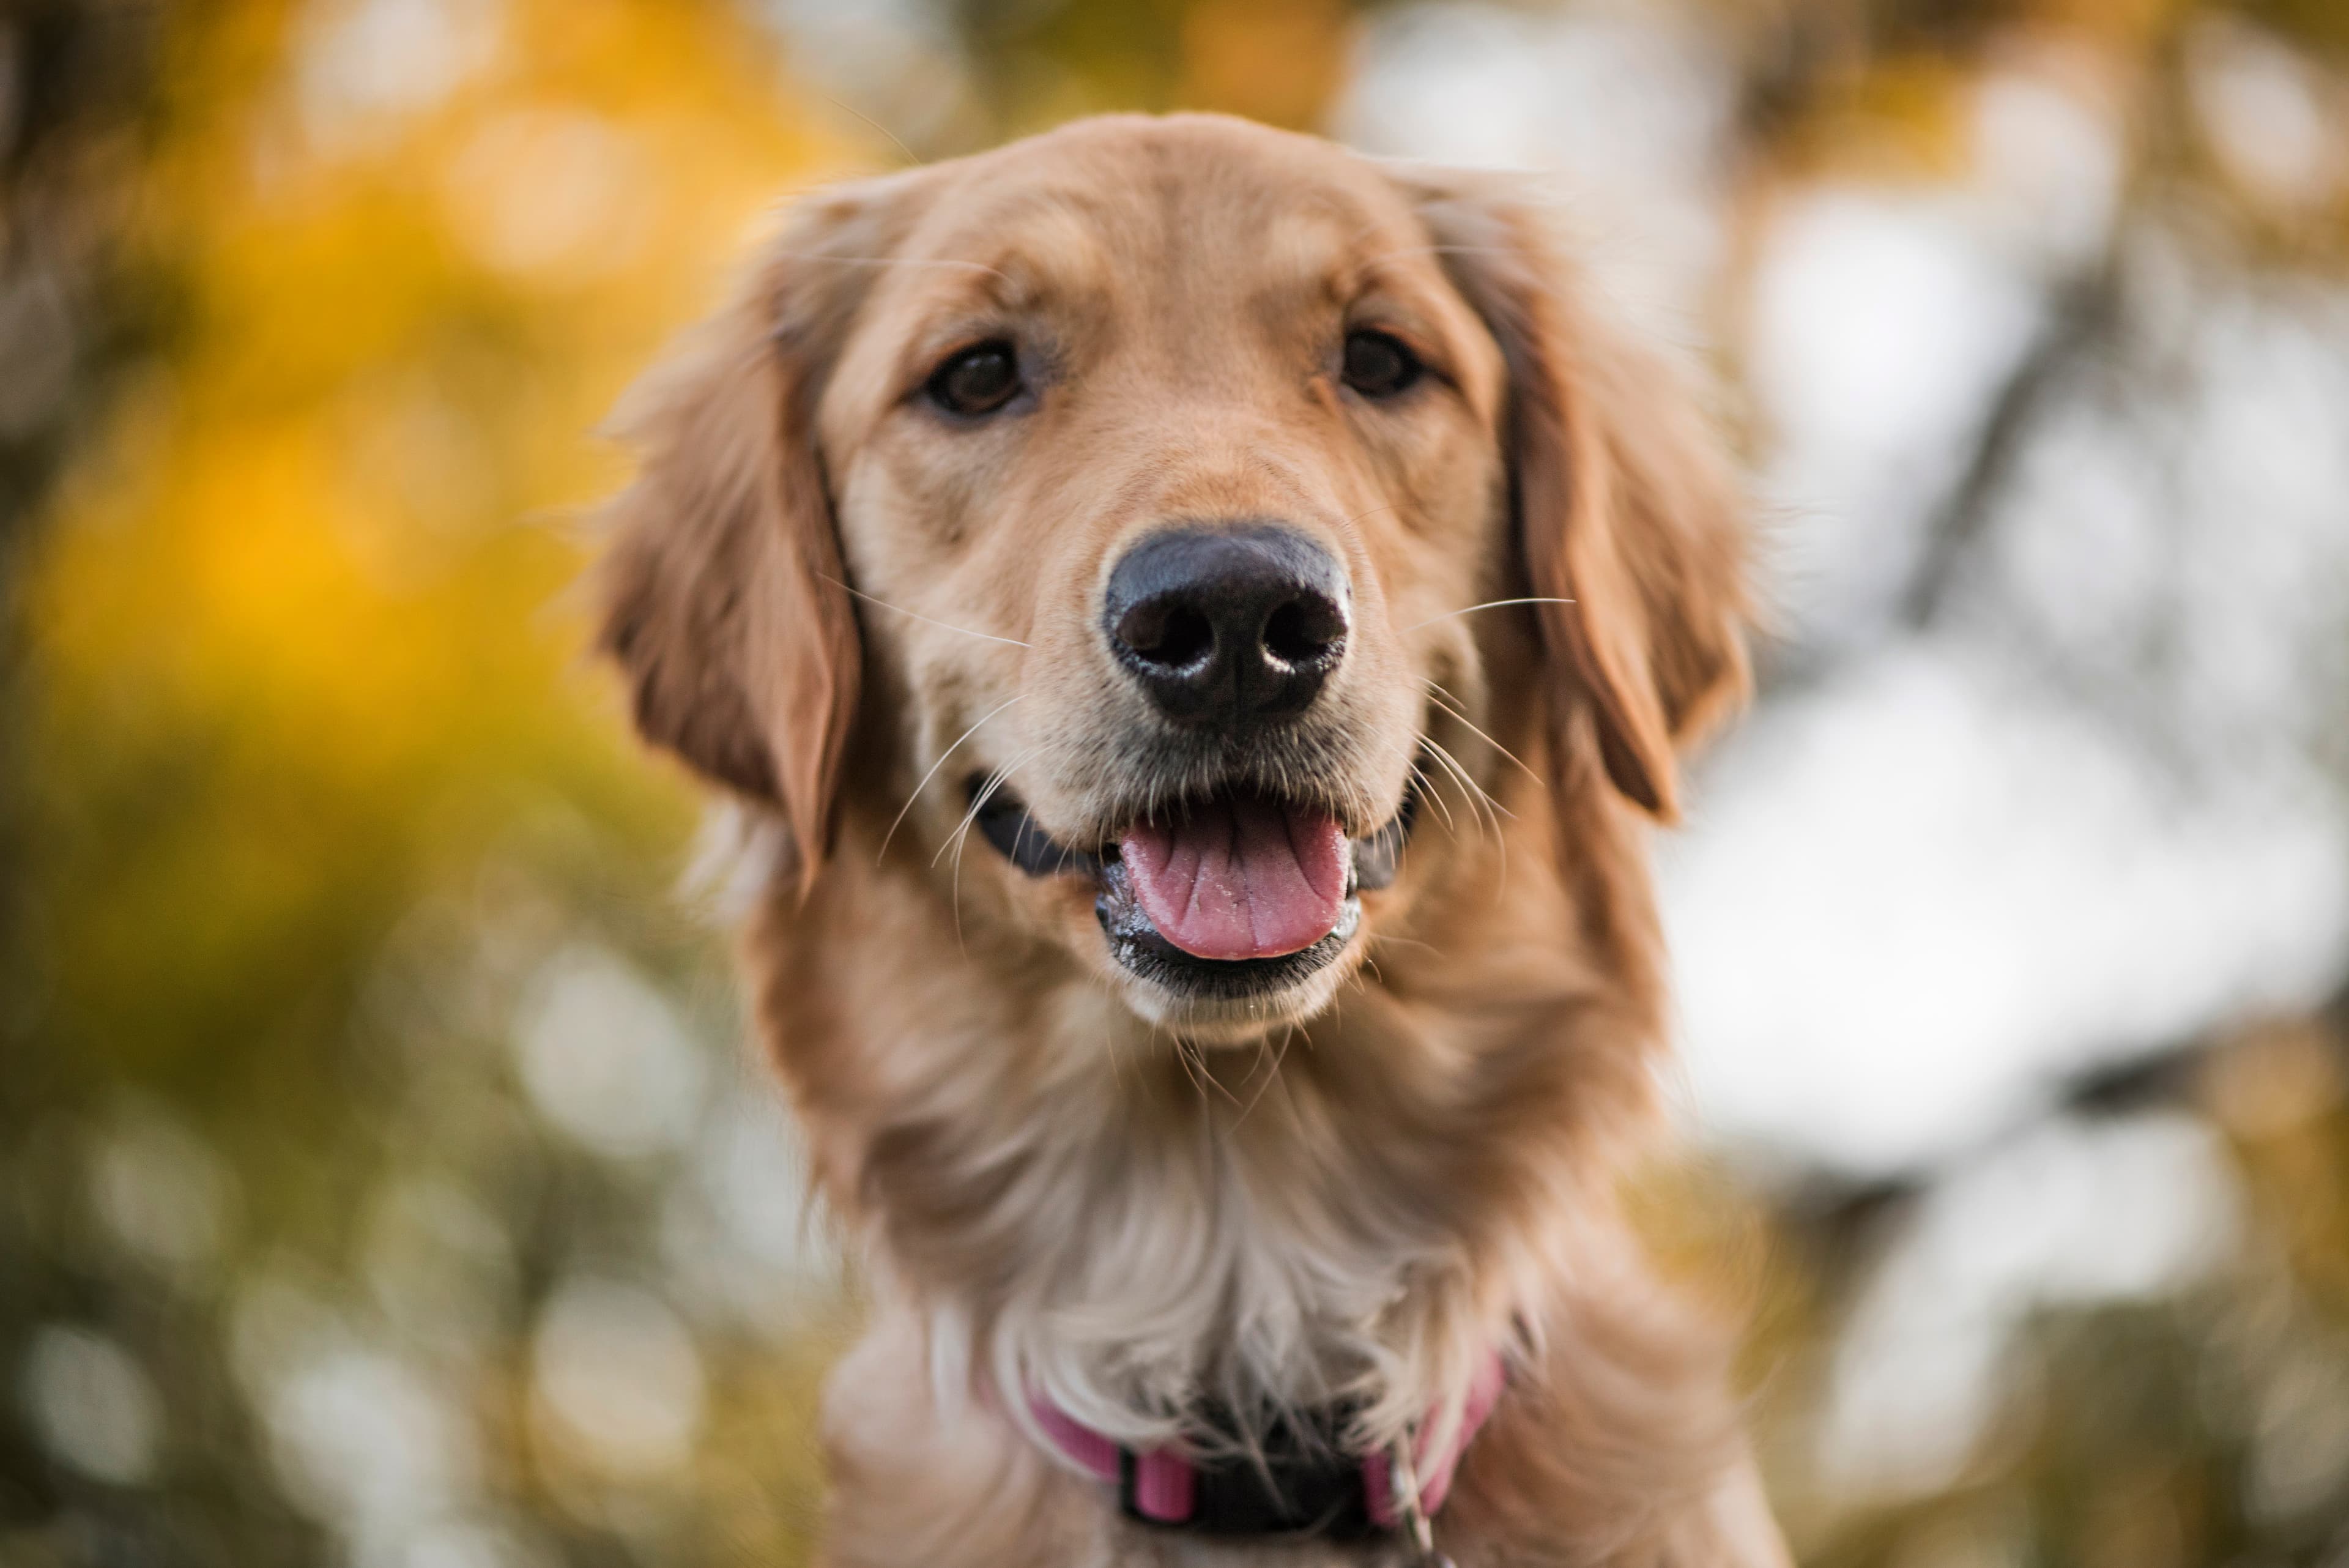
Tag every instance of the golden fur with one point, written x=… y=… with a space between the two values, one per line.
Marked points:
x=1067 y=1181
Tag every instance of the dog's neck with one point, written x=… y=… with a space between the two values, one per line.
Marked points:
x=1356 y=1208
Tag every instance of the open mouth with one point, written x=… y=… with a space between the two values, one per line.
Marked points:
x=1234 y=894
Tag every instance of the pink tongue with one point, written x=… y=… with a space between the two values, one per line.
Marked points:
x=1239 y=879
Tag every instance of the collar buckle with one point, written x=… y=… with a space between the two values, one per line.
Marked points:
x=1409 y=1505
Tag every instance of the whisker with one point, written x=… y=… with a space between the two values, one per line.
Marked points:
x=927 y=777
x=1450 y=767
x=1385 y=937
x=961 y=838
x=1435 y=797
x=1256 y=1066
x=1492 y=807
x=1469 y=786
x=1183 y=1060
x=917 y=614
x=994 y=781
x=1195 y=1068
x=1270 y=1078
x=1489 y=604
x=1493 y=810
x=1109 y=1049
x=1199 y=1055
x=954 y=896
x=1467 y=782
x=1438 y=694
x=911 y=157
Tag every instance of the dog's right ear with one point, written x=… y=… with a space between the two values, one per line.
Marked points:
x=1629 y=521
x=723 y=596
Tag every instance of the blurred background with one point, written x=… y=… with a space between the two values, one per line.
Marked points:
x=381 y=1179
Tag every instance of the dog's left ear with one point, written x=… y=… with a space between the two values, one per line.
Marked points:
x=1624 y=497
x=724 y=599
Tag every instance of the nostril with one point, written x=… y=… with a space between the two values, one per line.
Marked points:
x=1304 y=630
x=1188 y=635
x=1168 y=635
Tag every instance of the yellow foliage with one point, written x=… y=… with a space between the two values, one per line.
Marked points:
x=310 y=590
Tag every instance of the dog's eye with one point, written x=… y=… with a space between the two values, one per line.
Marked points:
x=977 y=380
x=1377 y=365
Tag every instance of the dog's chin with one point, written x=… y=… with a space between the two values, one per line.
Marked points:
x=1223 y=998
x=1215 y=1019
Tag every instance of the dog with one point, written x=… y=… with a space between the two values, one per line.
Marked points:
x=1208 y=620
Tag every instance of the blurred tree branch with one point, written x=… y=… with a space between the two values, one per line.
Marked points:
x=78 y=86
x=1840 y=1222
x=2084 y=317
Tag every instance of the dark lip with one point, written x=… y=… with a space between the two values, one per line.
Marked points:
x=1003 y=821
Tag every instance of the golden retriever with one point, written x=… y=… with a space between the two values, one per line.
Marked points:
x=1209 y=618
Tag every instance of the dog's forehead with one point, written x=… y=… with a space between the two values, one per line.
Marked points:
x=1174 y=244
x=1092 y=206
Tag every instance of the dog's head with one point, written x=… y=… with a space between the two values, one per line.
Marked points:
x=1119 y=499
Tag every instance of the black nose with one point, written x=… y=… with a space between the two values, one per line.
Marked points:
x=1228 y=626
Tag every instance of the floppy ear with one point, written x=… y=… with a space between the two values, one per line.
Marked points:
x=1624 y=500
x=722 y=587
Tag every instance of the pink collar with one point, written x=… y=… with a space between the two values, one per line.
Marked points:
x=1163 y=1485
